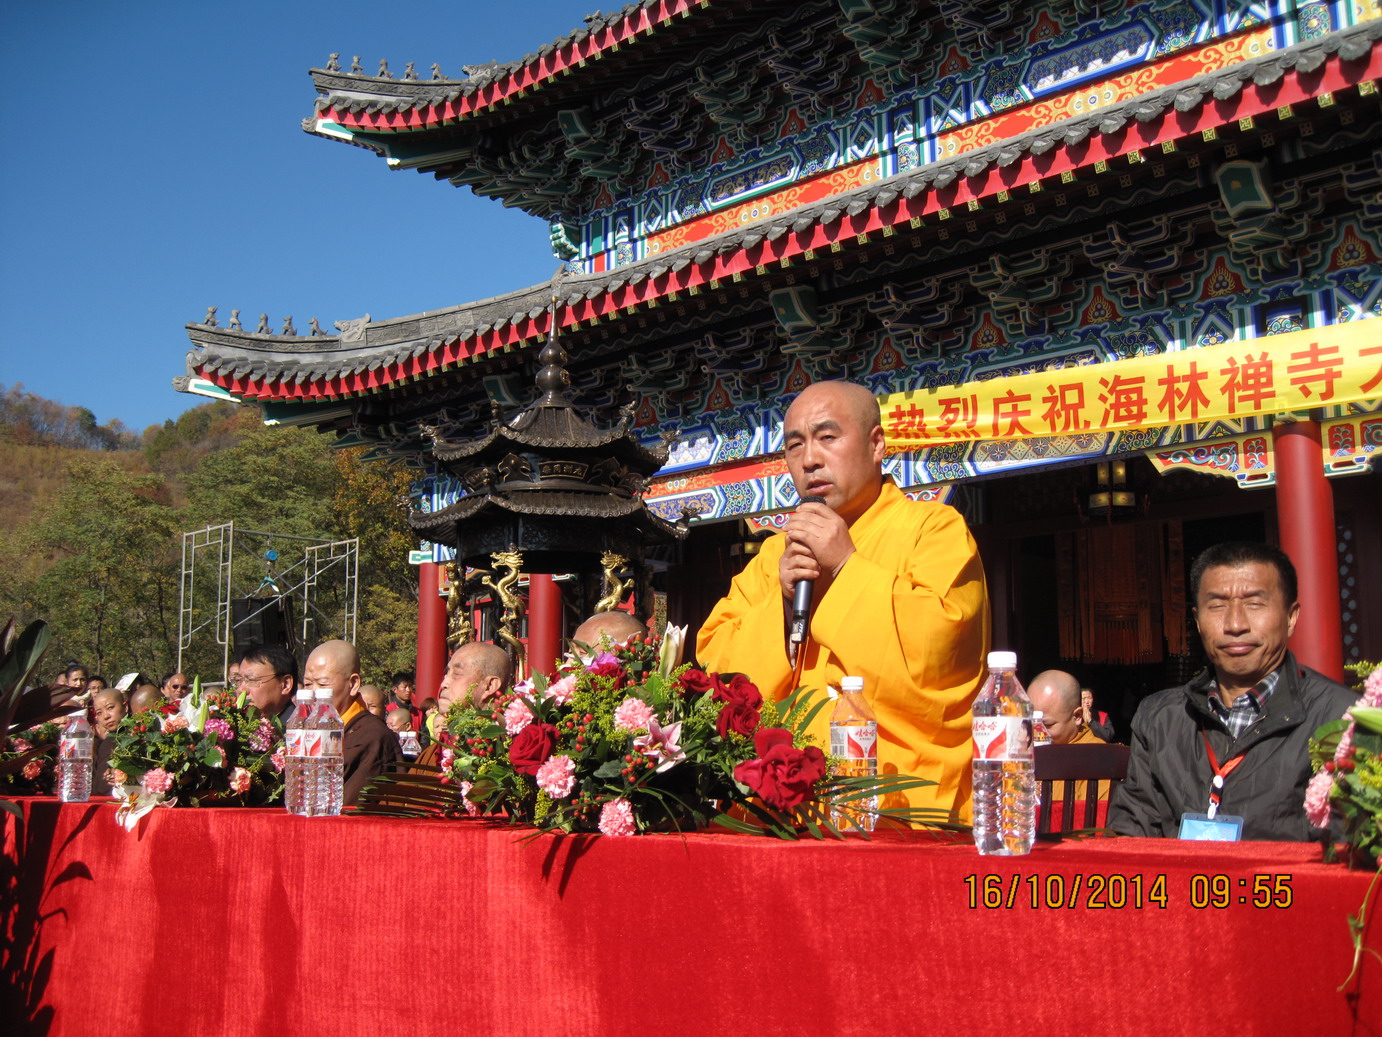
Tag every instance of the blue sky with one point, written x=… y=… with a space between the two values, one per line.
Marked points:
x=155 y=165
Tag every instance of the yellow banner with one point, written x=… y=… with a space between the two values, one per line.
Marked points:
x=1295 y=371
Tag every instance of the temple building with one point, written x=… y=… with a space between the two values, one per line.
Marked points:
x=1109 y=266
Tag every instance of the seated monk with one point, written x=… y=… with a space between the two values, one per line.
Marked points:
x=369 y=745
x=476 y=674
x=899 y=599
x=1057 y=695
x=109 y=707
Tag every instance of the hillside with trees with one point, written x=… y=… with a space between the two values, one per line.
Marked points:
x=97 y=516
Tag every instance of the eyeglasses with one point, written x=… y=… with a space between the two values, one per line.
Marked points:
x=260 y=680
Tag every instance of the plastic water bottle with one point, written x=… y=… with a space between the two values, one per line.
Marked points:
x=330 y=765
x=1040 y=734
x=854 y=744
x=298 y=794
x=1004 y=776
x=74 y=760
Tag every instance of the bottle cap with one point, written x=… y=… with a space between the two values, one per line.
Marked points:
x=1038 y=715
x=325 y=694
x=1002 y=660
x=851 y=683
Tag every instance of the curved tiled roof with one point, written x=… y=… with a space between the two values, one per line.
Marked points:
x=275 y=367
x=409 y=100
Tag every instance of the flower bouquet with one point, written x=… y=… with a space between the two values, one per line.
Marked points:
x=212 y=747
x=623 y=741
x=1347 y=758
x=28 y=760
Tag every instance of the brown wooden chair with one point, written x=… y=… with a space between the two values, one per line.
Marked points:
x=1071 y=765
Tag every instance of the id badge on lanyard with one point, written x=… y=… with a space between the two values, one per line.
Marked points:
x=1211 y=826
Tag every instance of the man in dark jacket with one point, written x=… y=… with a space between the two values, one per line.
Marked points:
x=1248 y=718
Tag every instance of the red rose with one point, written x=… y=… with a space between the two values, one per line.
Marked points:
x=739 y=690
x=738 y=717
x=781 y=776
x=695 y=682
x=531 y=747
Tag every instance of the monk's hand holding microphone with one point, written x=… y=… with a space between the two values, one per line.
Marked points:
x=818 y=545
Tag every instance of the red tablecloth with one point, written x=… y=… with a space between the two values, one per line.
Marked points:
x=252 y=921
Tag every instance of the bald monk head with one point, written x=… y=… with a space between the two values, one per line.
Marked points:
x=617 y=626
x=1057 y=695
x=476 y=674
x=334 y=665
x=373 y=698
x=832 y=438
x=145 y=695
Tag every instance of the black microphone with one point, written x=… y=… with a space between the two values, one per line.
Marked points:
x=801 y=597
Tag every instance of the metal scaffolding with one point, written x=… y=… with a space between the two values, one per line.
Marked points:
x=224 y=556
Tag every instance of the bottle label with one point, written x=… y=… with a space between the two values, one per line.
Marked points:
x=1003 y=739
x=311 y=743
x=332 y=742
x=854 y=741
x=293 y=739
x=74 y=748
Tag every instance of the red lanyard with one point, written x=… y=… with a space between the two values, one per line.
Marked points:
x=1216 y=786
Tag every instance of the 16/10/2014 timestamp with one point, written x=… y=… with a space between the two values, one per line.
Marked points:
x=1097 y=892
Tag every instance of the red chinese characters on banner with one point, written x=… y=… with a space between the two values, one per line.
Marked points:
x=1295 y=370
x=1125 y=402
x=1376 y=380
x=1318 y=366
x=1064 y=407
x=958 y=417
x=1183 y=398
x=1008 y=413
x=907 y=423
x=1249 y=384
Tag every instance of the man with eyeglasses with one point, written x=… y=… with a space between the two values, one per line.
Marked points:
x=269 y=676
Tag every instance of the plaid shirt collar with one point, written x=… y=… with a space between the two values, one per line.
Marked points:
x=1247 y=708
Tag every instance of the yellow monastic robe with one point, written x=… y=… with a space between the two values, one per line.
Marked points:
x=908 y=613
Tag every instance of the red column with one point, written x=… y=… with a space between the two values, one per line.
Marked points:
x=544 y=623
x=431 y=632
x=1305 y=520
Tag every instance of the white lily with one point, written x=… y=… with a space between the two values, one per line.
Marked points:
x=135 y=803
x=194 y=708
x=669 y=656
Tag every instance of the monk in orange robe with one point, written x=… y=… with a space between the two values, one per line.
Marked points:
x=899 y=598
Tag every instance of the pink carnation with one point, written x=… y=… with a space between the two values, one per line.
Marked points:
x=277 y=760
x=218 y=727
x=239 y=781
x=633 y=715
x=32 y=770
x=21 y=746
x=1372 y=688
x=174 y=723
x=263 y=738
x=473 y=809
x=605 y=665
x=517 y=716
x=157 y=781
x=1317 y=799
x=616 y=818
x=448 y=757
x=562 y=690
x=557 y=777
x=1344 y=750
